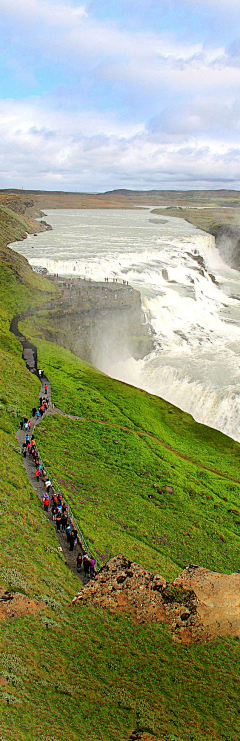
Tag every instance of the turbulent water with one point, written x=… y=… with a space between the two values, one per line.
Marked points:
x=191 y=298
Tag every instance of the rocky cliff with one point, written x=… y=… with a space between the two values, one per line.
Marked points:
x=98 y=320
x=228 y=242
x=199 y=605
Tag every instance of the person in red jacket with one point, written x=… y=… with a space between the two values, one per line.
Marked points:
x=46 y=503
x=37 y=474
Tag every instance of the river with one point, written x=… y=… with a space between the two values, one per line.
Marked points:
x=190 y=296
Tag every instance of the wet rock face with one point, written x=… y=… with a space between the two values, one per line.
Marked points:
x=228 y=242
x=198 y=606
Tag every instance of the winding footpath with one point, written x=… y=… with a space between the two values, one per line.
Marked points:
x=30 y=357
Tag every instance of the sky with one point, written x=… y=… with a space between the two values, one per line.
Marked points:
x=108 y=94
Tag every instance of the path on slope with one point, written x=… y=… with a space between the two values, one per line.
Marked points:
x=30 y=356
x=40 y=488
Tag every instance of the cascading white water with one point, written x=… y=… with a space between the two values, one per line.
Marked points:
x=187 y=291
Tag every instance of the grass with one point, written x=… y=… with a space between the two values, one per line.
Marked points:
x=107 y=465
x=120 y=677
x=78 y=388
x=83 y=673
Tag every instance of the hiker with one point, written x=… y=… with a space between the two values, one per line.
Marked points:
x=27 y=439
x=79 y=561
x=26 y=425
x=59 y=498
x=48 y=485
x=38 y=414
x=86 y=564
x=68 y=531
x=25 y=419
x=58 y=520
x=92 y=566
x=73 y=538
x=24 y=450
x=21 y=424
x=64 y=520
x=40 y=400
x=54 y=512
x=46 y=503
x=46 y=388
x=37 y=474
x=33 y=411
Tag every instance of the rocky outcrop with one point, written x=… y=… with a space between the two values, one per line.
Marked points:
x=15 y=605
x=199 y=605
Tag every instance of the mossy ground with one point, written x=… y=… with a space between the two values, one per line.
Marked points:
x=82 y=673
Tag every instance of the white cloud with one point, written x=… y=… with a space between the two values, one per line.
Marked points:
x=189 y=90
x=69 y=39
x=38 y=11
x=220 y=5
x=88 y=151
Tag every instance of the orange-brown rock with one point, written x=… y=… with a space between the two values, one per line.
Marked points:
x=198 y=606
x=15 y=604
x=218 y=600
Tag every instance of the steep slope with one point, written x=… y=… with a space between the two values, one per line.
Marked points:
x=92 y=675
x=149 y=481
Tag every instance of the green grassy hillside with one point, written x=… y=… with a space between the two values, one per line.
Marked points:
x=113 y=467
x=85 y=674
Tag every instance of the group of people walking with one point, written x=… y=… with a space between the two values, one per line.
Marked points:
x=51 y=498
